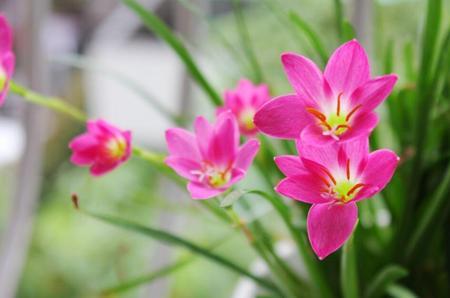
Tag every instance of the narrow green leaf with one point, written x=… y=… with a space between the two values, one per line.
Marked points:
x=156 y=25
x=387 y=276
x=348 y=32
x=320 y=284
x=425 y=101
x=246 y=42
x=349 y=270
x=148 y=278
x=389 y=58
x=311 y=35
x=408 y=61
x=339 y=19
x=430 y=216
x=398 y=291
x=177 y=241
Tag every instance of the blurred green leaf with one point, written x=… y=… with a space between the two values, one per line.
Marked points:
x=348 y=32
x=246 y=42
x=387 y=276
x=148 y=278
x=311 y=35
x=349 y=270
x=338 y=10
x=408 y=61
x=398 y=291
x=389 y=58
x=431 y=215
x=161 y=29
x=173 y=240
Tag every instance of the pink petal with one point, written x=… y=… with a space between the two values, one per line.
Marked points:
x=5 y=36
x=326 y=156
x=304 y=76
x=127 y=136
x=348 y=68
x=182 y=143
x=361 y=126
x=356 y=153
x=199 y=191
x=290 y=165
x=329 y=226
x=380 y=168
x=183 y=166
x=367 y=191
x=99 y=169
x=373 y=92
x=204 y=133
x=246 y=154
x=303 y=188
x=313 y=134
x=283 y=117
x=8 y=64
x=261 y=96
x=224 y=144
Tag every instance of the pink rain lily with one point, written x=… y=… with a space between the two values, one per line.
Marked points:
x=337 y=105
x=210 y=159
x=333 y=178
x=7 y=58
x=103 y=147
x=243 y=102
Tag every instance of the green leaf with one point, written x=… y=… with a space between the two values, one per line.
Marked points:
x=389 y=58
x=148 y=278
x=348 y=32
x=339 y=18
x=386 y=277
x=349 y=270
x=430 y=217
x=177 y=241
x=311 y=35
x=246 y=42
x=398 y=291
x=156 y=25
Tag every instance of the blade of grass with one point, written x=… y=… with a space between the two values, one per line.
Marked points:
x=349 y=270
x=173 y=240
x=160 y=28
x=311 y=35
x=161 y=272
x=148 y=278
x=426 y=97
x=339 y=19
x=386 y=277
x=320 y=284
x=246 y=41
x=348 y=32
x=430 y=217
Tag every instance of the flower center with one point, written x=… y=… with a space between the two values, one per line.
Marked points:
x=212 y=176
x=246 y=119
x=337 y=122
x=342 y=190
x=117 y=147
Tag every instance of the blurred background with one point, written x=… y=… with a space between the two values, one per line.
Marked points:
x=98 y=56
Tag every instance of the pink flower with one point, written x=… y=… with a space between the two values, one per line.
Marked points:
x=103 y=147
x=337 y=105
x=243 y=102
x=210 y=159
x=7 y=58
x=333 y=178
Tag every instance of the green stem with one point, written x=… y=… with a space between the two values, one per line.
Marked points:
x=349 y=271
x=320 y=283
x=52 y=103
